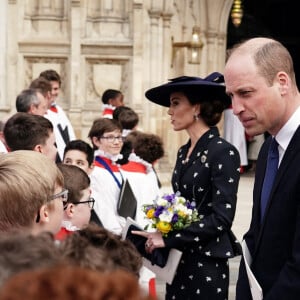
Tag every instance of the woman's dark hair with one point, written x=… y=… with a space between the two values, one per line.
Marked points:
x=211 y=108
x=211 y=112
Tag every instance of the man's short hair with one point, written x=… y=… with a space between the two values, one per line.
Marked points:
x=127 y=117
x=41 y=84
x=24 y=131
x=26 y=98
x=123 y=253
x=73 y=282
x=27 y=181
x=109 y=94
x=51 y=75
x=82 y=146
x=22 y=251
x=76 y=180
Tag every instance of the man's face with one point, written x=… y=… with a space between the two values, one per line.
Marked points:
x=49 y=148
x=259 y=106
x=55 y=90
x=49 y=98
x=41 y=108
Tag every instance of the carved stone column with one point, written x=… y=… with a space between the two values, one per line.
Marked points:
x=137 y=60
x=4 y=103
x=11 y=57
x=74 y=68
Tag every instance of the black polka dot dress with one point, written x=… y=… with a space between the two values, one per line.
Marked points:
x=210 y=178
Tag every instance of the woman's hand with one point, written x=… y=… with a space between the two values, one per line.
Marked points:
x=154 y=240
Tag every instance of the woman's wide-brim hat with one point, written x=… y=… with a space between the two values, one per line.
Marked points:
x=206 y=89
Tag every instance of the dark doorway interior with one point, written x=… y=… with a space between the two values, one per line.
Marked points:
x=274 y=18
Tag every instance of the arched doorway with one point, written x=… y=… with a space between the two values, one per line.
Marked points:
x=274 y=18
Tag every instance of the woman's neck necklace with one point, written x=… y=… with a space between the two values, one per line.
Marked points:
x=194 y=139
x=187 y=158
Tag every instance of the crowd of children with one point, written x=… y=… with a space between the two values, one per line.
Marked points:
x=59 y=194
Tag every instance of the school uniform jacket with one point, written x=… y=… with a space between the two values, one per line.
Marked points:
x=274 y=242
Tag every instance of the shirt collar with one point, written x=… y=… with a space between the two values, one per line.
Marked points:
x=286 y=133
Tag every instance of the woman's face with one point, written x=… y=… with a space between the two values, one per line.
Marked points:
x=182 y=112
x=110 y=142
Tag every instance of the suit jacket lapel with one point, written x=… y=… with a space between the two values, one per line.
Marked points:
x=291 y=151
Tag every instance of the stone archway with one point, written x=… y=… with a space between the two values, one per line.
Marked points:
x=277 y=19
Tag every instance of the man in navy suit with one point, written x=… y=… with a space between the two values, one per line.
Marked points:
x=260 y=80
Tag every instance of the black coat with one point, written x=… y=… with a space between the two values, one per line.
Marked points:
x=210 y=178
x=274 y=243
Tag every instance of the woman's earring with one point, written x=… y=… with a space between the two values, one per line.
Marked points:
x=196 y=118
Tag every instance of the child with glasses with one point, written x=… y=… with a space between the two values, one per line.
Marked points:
x=80 y=154
x=31 y=193
x=106 y=178
x=77 y=209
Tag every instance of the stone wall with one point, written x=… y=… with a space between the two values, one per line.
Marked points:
x=100 y=44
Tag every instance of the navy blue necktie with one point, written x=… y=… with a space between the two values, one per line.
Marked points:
x=271 y=170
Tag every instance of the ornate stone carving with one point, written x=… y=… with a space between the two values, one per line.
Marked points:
x=102 y=74
x=107 y=20
x=99 y=44
x=42 y=15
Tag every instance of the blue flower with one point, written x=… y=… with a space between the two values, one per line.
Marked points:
x=171 y=212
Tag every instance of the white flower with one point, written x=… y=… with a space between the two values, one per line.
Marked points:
x=182 y=208
x=166 y=216
x=189 y=212
x=180 y=200
x=167 y=206
x=162 y=202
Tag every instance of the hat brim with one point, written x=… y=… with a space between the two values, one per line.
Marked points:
x=206 y=91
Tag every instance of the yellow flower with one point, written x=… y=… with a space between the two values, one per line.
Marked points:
x=150 y=213
x=163 y=227
x=181 y=213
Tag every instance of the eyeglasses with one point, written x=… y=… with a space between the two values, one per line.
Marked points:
x=90 y=202
x=63 y=195
x=112 y=138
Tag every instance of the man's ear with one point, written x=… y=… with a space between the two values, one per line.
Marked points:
x=32 y=109
x=38 y=148
x=284 y=82
x=70 y=209
x=44 y=214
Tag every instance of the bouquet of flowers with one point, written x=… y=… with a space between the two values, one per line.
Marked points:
x=170 y=212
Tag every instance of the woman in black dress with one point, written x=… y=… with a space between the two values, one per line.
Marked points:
x=207 y=172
